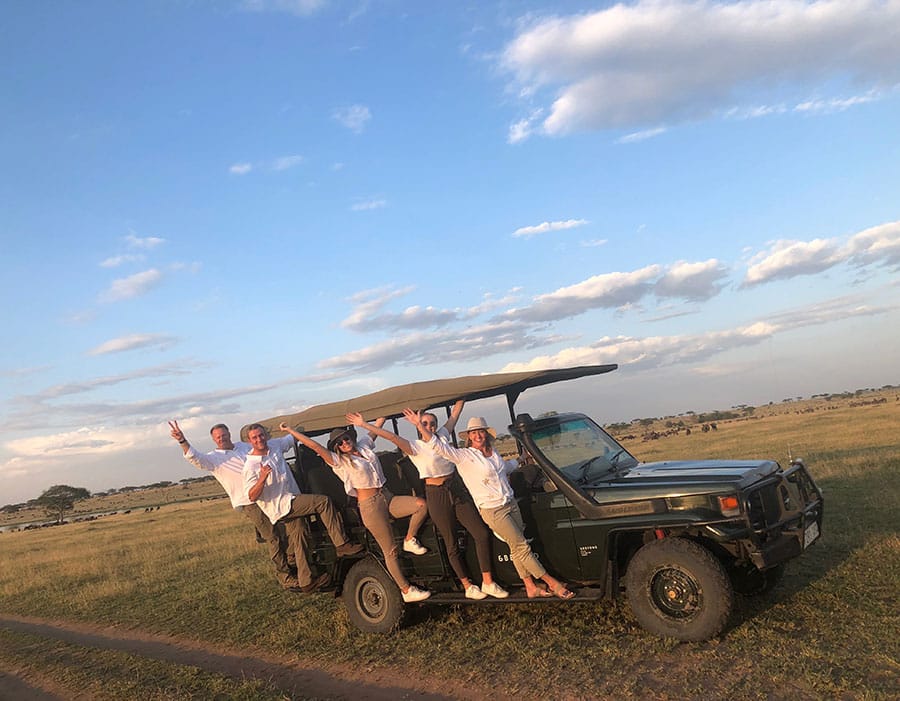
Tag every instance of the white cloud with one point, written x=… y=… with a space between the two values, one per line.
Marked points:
x=696 y=282
x=837 y=104
x=546 y=226
x=594 y=243
x=155 y=372
x=132 y=286
x=285 y=162
x=366 y=205
x=609 y=290
x=641 y=135
x=367 y=315
x=354 y=117
x=240 y=168
x=24 y=372
x=116 y=261
x=648 y=63
x=877 y=245
x=787 y=259
x=134 y=342
x=445 y=345
x=300 y=8
x=662 y=351
x=144 y=243
x=80 y=441
x=519 y=131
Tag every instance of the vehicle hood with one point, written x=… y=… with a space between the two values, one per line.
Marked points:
x=688 y=475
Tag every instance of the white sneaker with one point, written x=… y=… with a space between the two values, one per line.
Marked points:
x=414 y=546
x=473 y=592
x=414 y=594
x=495 y=590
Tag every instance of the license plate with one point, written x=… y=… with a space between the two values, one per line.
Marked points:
x=810 y=534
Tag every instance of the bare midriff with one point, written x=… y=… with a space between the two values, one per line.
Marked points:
x=437 y=481
x=363 y=493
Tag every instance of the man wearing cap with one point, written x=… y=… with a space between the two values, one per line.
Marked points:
x=271 y=486
x=226 y=463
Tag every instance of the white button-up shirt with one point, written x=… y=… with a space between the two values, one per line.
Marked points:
x=485 y=478
x=227 y=466
x=427 y=462
x=361 y=471
x=280 y=487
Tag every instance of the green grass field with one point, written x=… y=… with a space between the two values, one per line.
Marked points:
x=193 y=570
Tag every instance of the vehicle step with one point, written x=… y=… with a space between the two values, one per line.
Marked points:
x=515 y=597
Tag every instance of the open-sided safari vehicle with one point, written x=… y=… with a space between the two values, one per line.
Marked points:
x=677 y=537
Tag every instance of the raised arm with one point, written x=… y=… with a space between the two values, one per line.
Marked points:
x=454 y=415
x=319 y=449
x=440 y=447
x=178 y=435
x=375 y=429
x=415 y=418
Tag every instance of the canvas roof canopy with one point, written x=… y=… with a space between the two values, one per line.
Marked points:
x=391 y=402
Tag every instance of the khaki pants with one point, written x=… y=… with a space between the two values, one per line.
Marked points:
x=275 y=538
x=376 y=515
x=506 y=522
x=307 y=505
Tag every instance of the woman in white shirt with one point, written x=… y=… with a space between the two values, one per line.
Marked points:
x=485 y=472
x=356 y=463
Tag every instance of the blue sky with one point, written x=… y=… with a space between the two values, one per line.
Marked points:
x=226 y=210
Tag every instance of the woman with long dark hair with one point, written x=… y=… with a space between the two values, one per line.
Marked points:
x=355 y=462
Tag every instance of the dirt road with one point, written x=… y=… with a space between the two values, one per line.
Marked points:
x=291 y=677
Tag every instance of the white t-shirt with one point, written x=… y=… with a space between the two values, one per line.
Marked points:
x=427 y=462
x=361 y=471
x=280 y=487
x=485 y=478
x=227 y=466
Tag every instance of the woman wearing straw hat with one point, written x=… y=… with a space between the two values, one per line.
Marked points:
x=485 y=474
x=355 y=462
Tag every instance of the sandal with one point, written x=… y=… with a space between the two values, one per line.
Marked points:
x=563 y=592
x=540 y=593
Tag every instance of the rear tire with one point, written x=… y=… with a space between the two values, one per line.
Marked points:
x=678 y=589
x=373 y=600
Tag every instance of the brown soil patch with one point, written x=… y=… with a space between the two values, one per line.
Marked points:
x=290 y=676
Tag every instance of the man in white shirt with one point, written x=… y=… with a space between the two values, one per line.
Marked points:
x=270 y=484
x=226 y=463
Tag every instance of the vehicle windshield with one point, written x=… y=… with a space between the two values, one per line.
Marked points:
x=582 y=450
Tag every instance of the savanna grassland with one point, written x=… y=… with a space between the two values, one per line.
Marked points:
x=192 y=573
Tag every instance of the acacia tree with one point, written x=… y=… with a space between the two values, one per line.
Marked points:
x=60 y=498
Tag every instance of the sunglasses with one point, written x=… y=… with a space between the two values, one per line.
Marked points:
x=344 y=439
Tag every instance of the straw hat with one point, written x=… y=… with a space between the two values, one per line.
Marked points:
x=477 y=422
x=338 y=433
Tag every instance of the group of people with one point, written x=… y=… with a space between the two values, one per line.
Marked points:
x=259 y=482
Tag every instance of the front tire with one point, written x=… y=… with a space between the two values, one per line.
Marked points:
x=373 y=600
x=678 y=589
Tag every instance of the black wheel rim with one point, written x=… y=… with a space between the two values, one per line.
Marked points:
x=675 y=593
x=371 y=599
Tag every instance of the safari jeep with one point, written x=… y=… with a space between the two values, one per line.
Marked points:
x=677 y=538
